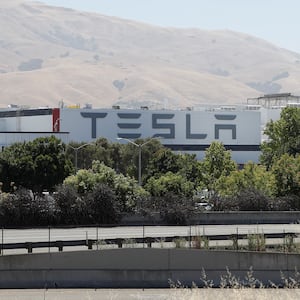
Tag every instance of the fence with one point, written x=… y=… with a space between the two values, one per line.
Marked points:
x=193 y=236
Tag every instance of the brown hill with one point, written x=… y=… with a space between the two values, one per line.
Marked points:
x=49 y=54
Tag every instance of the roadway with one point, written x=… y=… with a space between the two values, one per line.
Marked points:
x=101 y=233
x=149 y=294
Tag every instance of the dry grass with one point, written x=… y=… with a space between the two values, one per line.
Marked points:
x=230 y=281
x=82 y=55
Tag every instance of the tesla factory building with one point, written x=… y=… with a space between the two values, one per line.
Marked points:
x=190 y=131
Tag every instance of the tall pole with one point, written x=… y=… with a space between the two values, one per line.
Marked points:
x=76 y=149
x=140 y=146
x=140 y=165
x=76 y=159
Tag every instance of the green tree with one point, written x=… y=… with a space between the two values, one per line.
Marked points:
x=102 y=205
x=190 y=167
x=23 y=208
x=286 y=171
x=97 y=205
x=216 y=163
x=70 y=207
x=170 y=183
x=173 y=209
x=251 y=199
x=251 y=177
x=101 y=150
x=37 y=165
x=247 y=199
x=165 y=161
x=129 y=157
x=127 y=191
x=16 y=210
x=283 y=137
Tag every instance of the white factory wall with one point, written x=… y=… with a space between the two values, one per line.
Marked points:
x=118 y=123
x=185 y=131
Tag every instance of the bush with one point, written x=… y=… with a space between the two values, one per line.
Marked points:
x=69 y=205
x=23 y=208
x=173 y=209
x=246 y=200
x=252 y=200
x=289 y=202
x=102 y=205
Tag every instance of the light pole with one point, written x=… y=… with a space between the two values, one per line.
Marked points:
x=76 y=149
x=140 y=146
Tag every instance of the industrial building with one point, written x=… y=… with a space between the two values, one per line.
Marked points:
x=191 y=130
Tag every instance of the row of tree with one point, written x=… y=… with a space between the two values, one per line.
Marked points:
x=105 y=185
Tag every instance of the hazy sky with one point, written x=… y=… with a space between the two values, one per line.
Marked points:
x=277 y=21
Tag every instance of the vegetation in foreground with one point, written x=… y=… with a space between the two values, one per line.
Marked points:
x=229 y=281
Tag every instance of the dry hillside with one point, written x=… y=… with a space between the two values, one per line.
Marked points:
x=49 y=54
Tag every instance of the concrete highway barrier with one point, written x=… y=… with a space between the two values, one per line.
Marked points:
x=223 y=217
x=139 y=268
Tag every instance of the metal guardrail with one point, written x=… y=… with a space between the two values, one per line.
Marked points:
x=141 y=240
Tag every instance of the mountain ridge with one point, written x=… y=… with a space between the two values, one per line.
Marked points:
x=52 y=54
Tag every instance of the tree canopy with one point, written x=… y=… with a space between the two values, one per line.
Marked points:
x=251 y=177
x=286 y=171
x=216 y=163
x=126 y=189
x=170 y=183
x=37 y=165
x=283 y=137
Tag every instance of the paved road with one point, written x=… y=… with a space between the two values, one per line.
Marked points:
x=39 y=235
x=155 y=294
